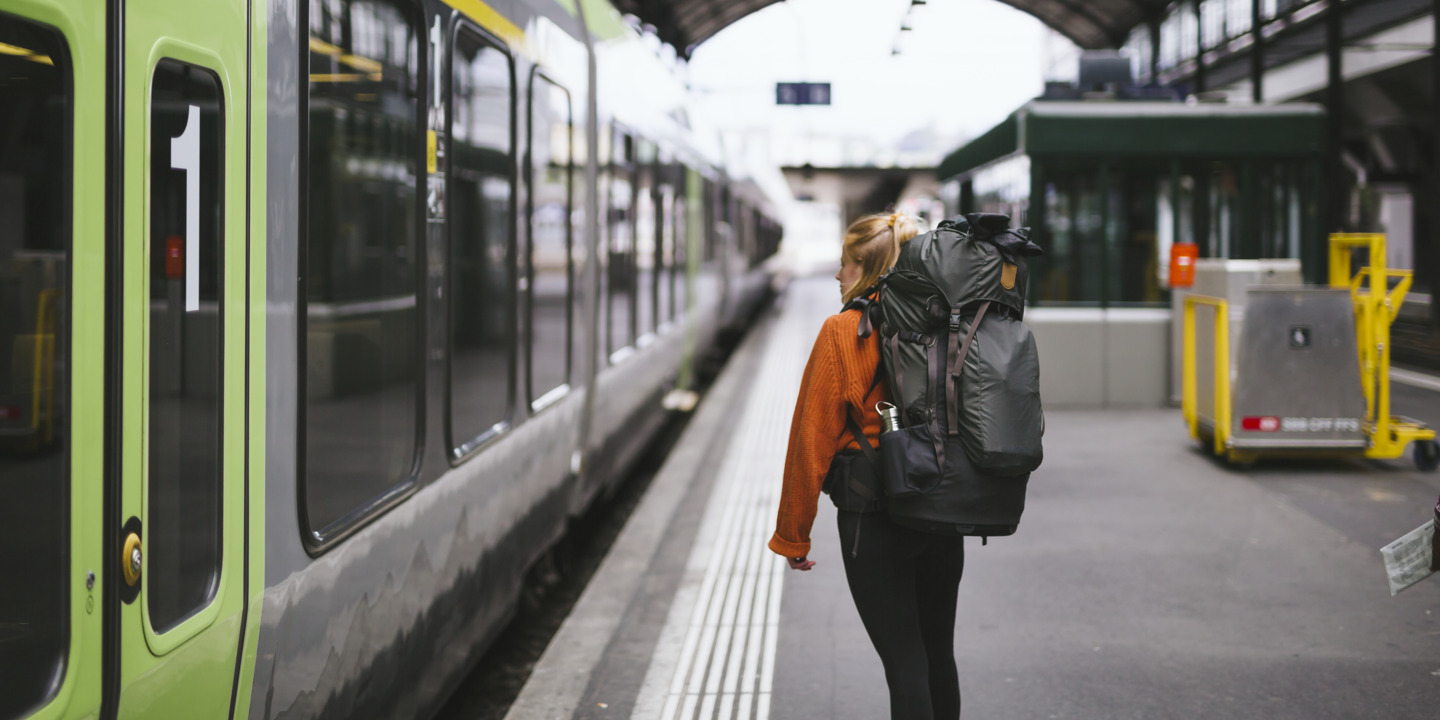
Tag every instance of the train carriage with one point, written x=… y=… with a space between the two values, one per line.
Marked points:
x=322 y=320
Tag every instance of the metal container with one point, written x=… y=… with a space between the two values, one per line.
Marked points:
x=889 y=416
x=1297 y=381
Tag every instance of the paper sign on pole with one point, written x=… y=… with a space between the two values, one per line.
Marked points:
x=1407 y=560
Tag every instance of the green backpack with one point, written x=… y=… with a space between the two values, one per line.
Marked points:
x=962 y=368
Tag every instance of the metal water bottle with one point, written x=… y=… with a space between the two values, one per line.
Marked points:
x=889 y=417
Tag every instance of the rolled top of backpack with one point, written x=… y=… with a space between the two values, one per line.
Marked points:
x=973 y=259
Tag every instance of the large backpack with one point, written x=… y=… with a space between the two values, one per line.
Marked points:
x=962 y=369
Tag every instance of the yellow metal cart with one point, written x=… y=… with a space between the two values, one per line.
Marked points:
x=1309 y=374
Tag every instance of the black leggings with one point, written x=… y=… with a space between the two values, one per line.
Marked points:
x=905 y=585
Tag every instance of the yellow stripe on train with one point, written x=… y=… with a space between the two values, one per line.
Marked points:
x=490 y=19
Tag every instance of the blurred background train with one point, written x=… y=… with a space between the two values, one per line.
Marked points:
x=323 y=318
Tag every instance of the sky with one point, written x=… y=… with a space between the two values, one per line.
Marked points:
x=965 y=66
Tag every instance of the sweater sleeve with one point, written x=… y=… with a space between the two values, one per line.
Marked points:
x=814 y=429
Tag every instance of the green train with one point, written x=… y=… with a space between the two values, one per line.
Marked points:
x=319 y=321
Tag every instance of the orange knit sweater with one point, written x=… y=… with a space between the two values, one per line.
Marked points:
x=841 y=367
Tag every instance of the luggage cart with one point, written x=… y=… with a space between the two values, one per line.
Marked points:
x=1311 y=369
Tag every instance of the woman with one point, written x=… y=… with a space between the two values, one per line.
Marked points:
x=904 y=582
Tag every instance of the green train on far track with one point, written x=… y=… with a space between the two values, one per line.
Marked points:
x=319 y=321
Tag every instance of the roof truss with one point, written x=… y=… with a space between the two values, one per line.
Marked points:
x=1091 y=24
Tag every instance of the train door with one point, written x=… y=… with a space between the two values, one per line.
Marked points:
x=182 y=419
x=52 y=203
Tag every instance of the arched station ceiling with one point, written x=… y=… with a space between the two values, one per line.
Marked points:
x=1091 y=24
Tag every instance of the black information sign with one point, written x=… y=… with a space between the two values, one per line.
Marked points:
x=802 y=93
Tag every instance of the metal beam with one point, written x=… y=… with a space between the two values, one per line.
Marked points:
x=1079 y=9
x=1334 y=203
x=1257 y=55
x=1199 y=47
x=1428 y=261
x=1154 y=23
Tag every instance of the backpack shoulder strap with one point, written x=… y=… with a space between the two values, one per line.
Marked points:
x=871 y=456
x=857 y=432
x=958 y=352
x=867 y=302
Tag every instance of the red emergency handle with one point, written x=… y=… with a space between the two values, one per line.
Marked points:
x=174 y=257
x=1182 y=264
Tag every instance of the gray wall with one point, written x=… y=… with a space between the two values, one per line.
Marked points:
x=1093 y=357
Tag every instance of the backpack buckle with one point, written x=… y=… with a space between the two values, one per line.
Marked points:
x=954 y=320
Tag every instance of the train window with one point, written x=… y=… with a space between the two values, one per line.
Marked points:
x=603 y=186
x=620 y=263
x=743 y=241
x=745 y=218
x=762 y=237
x=707 y=285
x=679 y=257
x=182 y=519
x=482 y=244
x=664 y=241
x=550 y=266
x=711 y=217
x=359 y=264
x=35 y=197
x=645 y=242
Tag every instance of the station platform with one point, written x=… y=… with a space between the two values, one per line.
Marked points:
x=1147 y=579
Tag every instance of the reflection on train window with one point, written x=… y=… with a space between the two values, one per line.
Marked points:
x=679 y=258
x=745 y=238
x=182 y=520
x=620 y=265
x=35 y=121
x=551 y=262
x=603 y=187
x=359 y=277
x=645 y=246
x=707 y=281
x=482 y=262
x=665 y=242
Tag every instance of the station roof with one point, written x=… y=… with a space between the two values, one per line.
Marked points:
x=1091 y=24
x=1145 y=130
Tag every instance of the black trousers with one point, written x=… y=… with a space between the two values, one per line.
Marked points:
x=905 y=585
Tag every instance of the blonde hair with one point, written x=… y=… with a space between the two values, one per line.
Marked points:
x=873 y=242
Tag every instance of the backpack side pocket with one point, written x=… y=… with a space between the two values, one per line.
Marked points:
x=907 y=462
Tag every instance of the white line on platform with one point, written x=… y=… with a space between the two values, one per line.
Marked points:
x=1415 y=379
x=560 y=678
x=725 y=618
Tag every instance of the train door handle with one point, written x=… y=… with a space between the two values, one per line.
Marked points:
x=132 y=559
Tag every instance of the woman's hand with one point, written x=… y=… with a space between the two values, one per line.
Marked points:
x=800 y=563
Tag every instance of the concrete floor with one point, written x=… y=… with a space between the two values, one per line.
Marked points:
x=1147 y=580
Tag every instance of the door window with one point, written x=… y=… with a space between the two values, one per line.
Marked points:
x=551 y=249
x=35 y=212
x=182 y=519
x=482 y=254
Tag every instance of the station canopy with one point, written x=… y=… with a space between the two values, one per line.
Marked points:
x=1091 y=24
